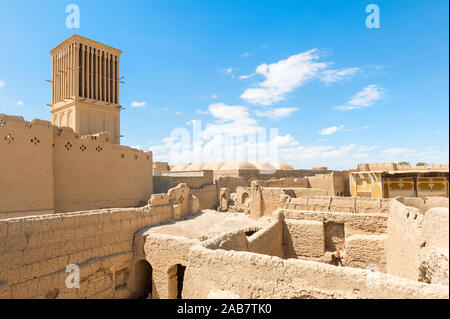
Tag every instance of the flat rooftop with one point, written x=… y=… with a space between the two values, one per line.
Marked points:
x=207 y=224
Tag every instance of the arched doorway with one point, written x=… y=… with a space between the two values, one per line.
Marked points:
x=176 y=278
x=143 y=273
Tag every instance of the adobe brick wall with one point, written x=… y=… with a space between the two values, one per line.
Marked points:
x=35 y=250
x=50 y=169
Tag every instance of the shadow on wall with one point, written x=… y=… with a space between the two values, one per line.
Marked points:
x=176 y=278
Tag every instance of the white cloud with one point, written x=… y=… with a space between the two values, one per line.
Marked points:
x=284 y=141
x=276 y=113
x=202 y=112
x=2 y=84
x=234 y=135
x=331 y=130
x=212 y=97
x=225 y=112
x=20 y=103
x=232 y=120
x=283 y=77
x=179 y=113
x=226 y=140
x=243 y=77
x=138 y=104
x=336 y=75
x=228 y=70
x=367 y=97
x=245 y=54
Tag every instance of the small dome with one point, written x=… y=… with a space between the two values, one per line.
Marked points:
x=179 y=167
x=213 y=166
x=281 y=166
x=195 y=167
x=263 y=165
x=237 y=165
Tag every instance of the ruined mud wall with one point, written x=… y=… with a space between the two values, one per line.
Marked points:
x=193 y=179
x=269 y=240
x=285 y=182
x=333 y=183
x=163 y=252
x=434 y=267
x=315 y=226
x=92 y=173
x=232 y=183
x=404 y=241
x=207 y=196
x=250 y=175
x=265 y=200
x=424 y=204
x=201 y=185
x=26 y=178
x=35 y=250
x=417 y=245
x=261 y=276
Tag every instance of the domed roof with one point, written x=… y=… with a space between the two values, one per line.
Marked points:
x=237 y=165
x=195 y=167
x=281 y=165
x=263 y=165
x=179 y=167
x=214 y=166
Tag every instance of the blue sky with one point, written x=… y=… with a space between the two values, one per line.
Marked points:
x=338 y=92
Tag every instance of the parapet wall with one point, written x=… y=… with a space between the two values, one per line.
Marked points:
x=364 y=167
x=91 y=173
x=50 y=169
x=26 y=178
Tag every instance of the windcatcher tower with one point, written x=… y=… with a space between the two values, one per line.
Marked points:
x=85 y=87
